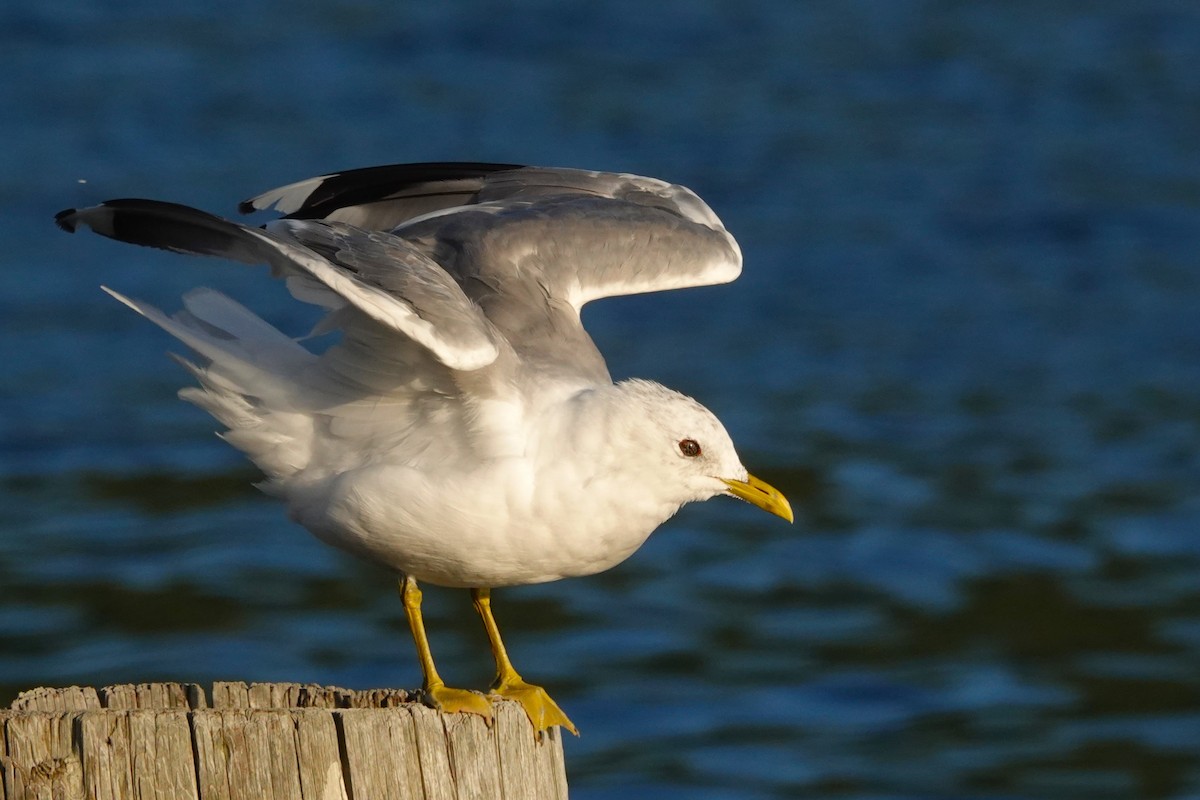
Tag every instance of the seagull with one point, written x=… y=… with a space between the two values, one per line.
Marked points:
x=461 y=427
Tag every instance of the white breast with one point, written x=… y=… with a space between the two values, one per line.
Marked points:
x=496 y=526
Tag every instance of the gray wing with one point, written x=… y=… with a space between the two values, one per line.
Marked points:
x=463 y=259
x=377 y=275
x=582 y=235
x=532 y=245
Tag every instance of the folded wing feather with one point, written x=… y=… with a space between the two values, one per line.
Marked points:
x=464 y=341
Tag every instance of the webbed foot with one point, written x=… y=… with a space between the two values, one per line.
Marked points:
x=542 y=711
x=453 y=701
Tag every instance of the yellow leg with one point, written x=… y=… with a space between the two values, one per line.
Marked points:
x=543 y=712
x=435 y=692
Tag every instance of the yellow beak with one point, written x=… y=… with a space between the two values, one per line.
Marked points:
x=761 y=494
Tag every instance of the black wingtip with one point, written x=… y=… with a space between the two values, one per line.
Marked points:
x=66 y=219
x=365 y=185
x=154 y=223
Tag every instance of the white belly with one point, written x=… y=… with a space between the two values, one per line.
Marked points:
x=492 y=527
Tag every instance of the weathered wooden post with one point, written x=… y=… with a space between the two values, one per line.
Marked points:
x=163 y=741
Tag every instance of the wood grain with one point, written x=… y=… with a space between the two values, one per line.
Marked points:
x=165 y=741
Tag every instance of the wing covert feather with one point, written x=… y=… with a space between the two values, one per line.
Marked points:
x=466 y=341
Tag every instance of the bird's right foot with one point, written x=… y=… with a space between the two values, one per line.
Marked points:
x=452 y=701
x=542 y=711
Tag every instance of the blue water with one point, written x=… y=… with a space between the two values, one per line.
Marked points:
x=966 y=345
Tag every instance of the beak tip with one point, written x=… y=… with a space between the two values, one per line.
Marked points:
x=763 y=495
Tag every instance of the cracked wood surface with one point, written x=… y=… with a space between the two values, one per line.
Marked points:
x=164 y=741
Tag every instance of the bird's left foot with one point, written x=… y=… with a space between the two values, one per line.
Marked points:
x=453 y=701
x=542 y=711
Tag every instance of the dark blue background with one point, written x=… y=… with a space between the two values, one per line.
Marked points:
x=966 y=344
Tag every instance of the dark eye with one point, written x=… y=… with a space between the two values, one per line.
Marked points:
x=690 y=448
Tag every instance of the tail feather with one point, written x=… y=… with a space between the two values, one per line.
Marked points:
x=250 y=380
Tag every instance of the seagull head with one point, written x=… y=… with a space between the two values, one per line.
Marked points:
x=685 y=451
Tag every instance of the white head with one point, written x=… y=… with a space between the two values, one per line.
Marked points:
x=676 y=446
